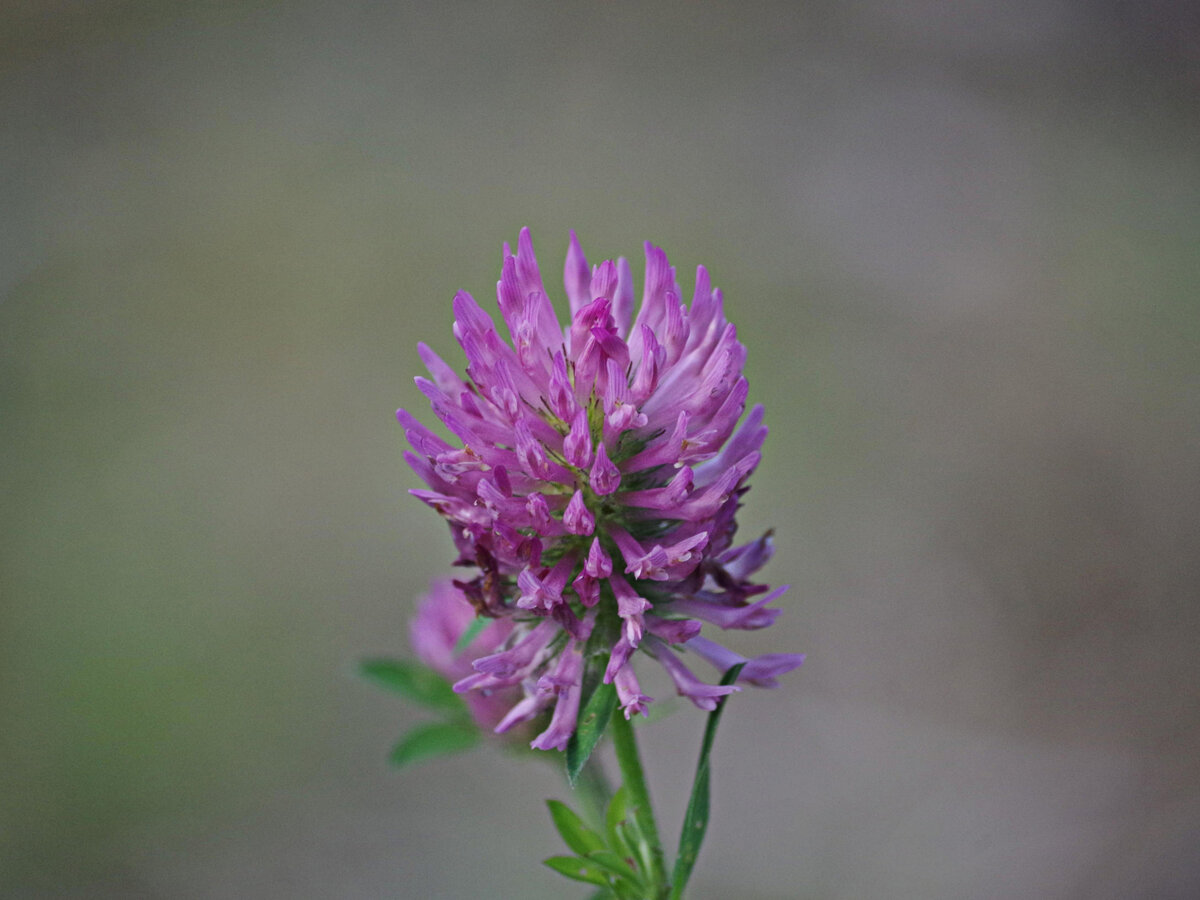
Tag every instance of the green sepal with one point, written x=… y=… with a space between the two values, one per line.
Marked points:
x=428 y=741
x=417 y=682
x=574 y=832
x=695 y=821
x=593 y=720
x=578 y=869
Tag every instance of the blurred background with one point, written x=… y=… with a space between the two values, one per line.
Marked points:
x=960 y=242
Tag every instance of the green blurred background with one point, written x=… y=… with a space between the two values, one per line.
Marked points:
x=961 y=244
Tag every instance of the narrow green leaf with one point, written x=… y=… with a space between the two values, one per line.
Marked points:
x=695 y=821
x=640 y=851
x=616 y=823
x=635 y=852
x=574 y=832
x=624 y=839
x=577 y=869
x=616 y=867
x=417 y=682
x=593 y=720
x=695 y=824
x=616 y=807
x=470 y=633
x=614 y=816
x=434 y=740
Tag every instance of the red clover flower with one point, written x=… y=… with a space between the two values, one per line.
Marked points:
x=594 y=485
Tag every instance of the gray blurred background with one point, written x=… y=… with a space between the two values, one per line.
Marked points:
x=961 y=244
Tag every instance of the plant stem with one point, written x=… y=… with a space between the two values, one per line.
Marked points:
x=639 y=801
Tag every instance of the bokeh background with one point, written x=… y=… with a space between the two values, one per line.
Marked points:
x=961 y=243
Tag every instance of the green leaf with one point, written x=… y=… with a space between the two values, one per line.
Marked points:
x=625 y=839
x=470 y=633
x=417 y=682
x=593 y=720
x=434 y=740
x=616 y=867
x=614 y=818
x=577 y=869
x=616 y=811
x=695 y=821
x=640 y=850
x=574 y=832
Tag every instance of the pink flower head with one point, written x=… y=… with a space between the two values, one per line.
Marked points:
x=594 y=477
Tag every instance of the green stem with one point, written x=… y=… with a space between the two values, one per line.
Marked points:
x=639 y=801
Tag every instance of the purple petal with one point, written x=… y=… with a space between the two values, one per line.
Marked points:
x=577 y=445
x=703 y=695
x=605 y=477
x=577 y=518
x=561 y=396
x=746 y=617
x=742 y=562
x=629 y=692
x=668 y=497
x=526 y=709
x=661 y=452
x=520 y=656
x=673 y=631
x=622 y=309
x=598 y=563
x=587 y=588
x=760 y=671
x=577 y=276
x=619 y=656
x=565 y=683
